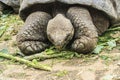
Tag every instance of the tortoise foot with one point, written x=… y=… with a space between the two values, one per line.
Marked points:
x=85 y=38
x=30 y=47
x=84 y=44
x=32 y=37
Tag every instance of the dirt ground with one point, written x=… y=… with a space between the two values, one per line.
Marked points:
x=93 y=68
x=104 y=66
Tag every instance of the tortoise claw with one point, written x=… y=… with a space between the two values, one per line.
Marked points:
x=30 y=47
x=84 y=44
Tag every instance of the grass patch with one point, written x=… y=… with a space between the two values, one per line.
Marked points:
x=9 y=26
x=11 y=23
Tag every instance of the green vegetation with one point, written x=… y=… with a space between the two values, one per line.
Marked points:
x=33 y=64
x=61 y=73
x=108 y=40
x=11 y=23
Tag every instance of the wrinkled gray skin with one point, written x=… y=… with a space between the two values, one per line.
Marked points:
x=60 y=31
x=49 y=22
x=9 y=5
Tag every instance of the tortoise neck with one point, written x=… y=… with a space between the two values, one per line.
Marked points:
x=59 y=8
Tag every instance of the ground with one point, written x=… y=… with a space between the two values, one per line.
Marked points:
x=104 y=64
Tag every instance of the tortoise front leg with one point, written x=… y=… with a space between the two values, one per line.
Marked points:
x=32 y=37
x=85 y=38
x=100 y=20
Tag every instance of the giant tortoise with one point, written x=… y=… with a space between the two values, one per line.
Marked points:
x=75 y=24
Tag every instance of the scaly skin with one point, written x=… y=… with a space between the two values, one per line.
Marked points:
x=100 y=20
x=32 y=37
x=86 y=34
x=60 y=31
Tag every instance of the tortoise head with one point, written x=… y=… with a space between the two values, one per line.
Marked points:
x=60 y=31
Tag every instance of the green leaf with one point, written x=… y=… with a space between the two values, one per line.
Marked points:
x=4 y=51
x=2 y=30
x=77 y=55
x=61 y=73
x=98 y=49
x=104 y=57
x=111 y=44
x=70 y=56
x=114 y=29
x=49 y=51
x=4 y=16
x=35 y=61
